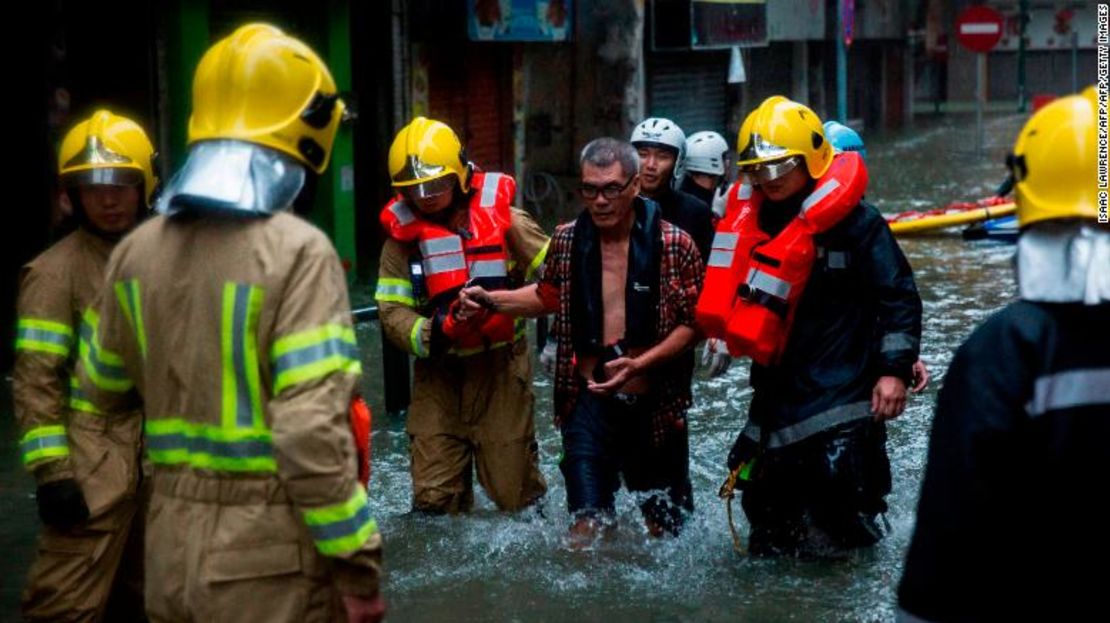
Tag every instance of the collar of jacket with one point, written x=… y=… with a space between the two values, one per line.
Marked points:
x=1064 y=262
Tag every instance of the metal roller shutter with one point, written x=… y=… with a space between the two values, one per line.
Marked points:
x=690 y=89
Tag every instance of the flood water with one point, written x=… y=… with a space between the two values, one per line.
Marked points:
x=493 y=566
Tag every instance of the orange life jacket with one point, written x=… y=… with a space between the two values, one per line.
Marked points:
x=479 y=256
x=753 y=282
x=361 y=420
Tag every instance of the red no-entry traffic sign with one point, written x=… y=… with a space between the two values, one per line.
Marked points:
x=979 y=28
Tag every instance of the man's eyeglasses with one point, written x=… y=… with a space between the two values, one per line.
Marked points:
x=609 y=191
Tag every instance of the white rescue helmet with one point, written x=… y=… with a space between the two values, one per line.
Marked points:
x=706 y=153
x=660 y=132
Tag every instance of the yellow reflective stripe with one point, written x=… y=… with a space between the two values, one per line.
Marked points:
x=105 y=368
x=537 y=261
x=227 y=323
x=392 y=290
x=416 y=337
x=350 y=543
x=83 y=405
x=314 y=353
x=45 y=325
x=241 y=403
x=324 y=367
x=44 y=442
x=130 y=301
x=49 y=348
x=45 y=336
x=341 y=528
x=78 y=401
x=250 y=350
x=301 y=339
x=174 y=441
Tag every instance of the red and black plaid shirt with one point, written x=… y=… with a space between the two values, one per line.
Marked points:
x=680 y=279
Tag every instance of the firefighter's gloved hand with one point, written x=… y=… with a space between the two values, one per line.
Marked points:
x=718 y=207
x=458 y=321
x=743 y=450
x=547 y=358
x=715 y=357
x=61 y=504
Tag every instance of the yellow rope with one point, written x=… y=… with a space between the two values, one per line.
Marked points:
x=727 y=493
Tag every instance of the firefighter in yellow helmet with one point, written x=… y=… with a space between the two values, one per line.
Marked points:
x=831 y=317
x=448 y=226
x=228 y=320
x=1018 y=447
x=90 y=549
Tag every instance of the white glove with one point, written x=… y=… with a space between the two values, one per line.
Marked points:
x=719 y=202
x=547 y=358
x=715 y=357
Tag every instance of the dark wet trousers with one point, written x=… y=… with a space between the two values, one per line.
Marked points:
x=605 y=439
x=821 y=496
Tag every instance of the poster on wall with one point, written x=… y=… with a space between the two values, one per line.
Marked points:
x=519 y=20
x=1052 y=26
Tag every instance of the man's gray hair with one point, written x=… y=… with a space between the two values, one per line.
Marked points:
x=603 y=152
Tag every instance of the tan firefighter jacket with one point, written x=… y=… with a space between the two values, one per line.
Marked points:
x=55 y=289
x=235 y=333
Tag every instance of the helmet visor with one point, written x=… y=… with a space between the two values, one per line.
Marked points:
x=416 y=170
x=760 y=149
x=429 y=189
x=104 y=176
x=762 y=172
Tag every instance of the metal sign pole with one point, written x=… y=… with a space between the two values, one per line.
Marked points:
x=981 y=98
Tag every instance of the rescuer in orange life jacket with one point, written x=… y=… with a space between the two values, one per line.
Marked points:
x=450 y=226
x=808 y=280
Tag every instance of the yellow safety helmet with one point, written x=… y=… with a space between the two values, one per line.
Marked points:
x=426 y=150
x=780 y=128
x=262 y=86
x=108 y=149
x=1054 y=161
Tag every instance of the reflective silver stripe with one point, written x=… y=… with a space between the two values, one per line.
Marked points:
x=222 y=448
x=439 y=246
x=307 y=355
x=1075 y=388
x=402 y=212
x=772 y=285
x=343 y=527
x=744 y=191
x=898 y=341
x=751 y=431
x=43 y=335
x=822 y=191
x=901 y=616
x=489 y=190
x=243 y=414
x=837 y=259
x=106 y=369
x=812 y=425
x=444 y=263
x=725 y=240
x=720 y=259
x=487 y=268
x=399 y=290
x=44 y=442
